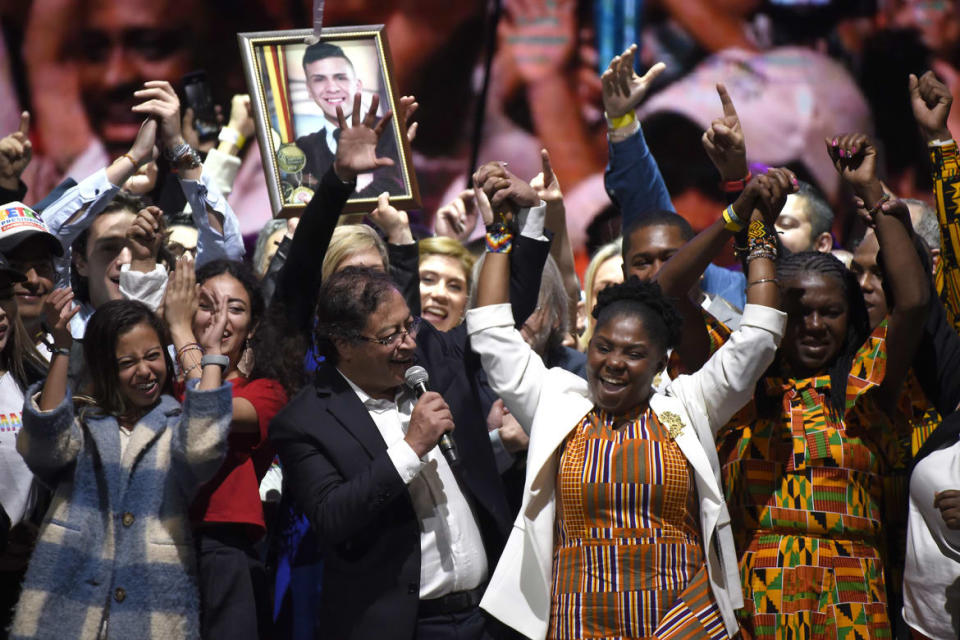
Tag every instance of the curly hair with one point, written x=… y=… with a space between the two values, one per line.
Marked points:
x=858 y=321
x=274 y=356
x=645 y=299
x=345 y=303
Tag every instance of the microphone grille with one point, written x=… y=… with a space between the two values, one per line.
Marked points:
x=416 y=375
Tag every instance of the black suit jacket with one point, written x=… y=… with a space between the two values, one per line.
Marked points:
x=320 y=159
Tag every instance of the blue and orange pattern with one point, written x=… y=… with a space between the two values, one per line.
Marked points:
x=628 y=558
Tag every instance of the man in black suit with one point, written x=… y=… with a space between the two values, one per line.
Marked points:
x=407 y=540
x=332 y=82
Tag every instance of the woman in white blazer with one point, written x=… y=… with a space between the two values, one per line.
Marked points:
x=623 y=530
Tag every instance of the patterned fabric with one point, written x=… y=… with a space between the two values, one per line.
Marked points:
x=628 y=558
x=807 y=489
x=946 y=191
x=717 y=332
x=115 y=557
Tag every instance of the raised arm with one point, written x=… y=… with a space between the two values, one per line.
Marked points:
x=632 y=178
x=401 y=249
x=16 y=150
x=299 y=281
x=514 y=371
x=217 y=226
x=77 y=207
x=855 y=159
x=547 y=187
x=931 y=101
x=682 y=271
x=728 y=379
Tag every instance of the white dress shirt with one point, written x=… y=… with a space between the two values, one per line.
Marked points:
x=931 y=578
x=452 y=556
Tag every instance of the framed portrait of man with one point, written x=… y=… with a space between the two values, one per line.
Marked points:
x=295 y=89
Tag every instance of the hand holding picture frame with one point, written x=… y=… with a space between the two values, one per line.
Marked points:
x=295 y=90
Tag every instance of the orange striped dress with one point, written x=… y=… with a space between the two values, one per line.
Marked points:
x=628 y=558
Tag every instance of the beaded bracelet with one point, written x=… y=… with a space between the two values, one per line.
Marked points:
x=731 y=221
x=193 y=346
x=499 y=241
x=760 y=242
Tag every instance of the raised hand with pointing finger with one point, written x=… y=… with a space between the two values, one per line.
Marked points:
x=16 y=150
x=724 y=141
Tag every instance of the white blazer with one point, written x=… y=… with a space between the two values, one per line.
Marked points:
x=552 y=403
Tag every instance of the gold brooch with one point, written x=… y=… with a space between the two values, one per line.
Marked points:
x=672 y=422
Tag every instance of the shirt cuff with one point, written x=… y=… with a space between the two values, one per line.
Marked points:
x=503 y=458
x=488 y=317
x=405 y=459
x=764 y=317
x=222 y=170
x=531 y=221
x=95 y=185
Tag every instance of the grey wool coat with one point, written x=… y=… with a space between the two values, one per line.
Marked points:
x=115 y=555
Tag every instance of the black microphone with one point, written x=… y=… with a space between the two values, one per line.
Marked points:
x=416 y=378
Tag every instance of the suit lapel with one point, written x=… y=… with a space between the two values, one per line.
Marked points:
x=670 y=410
x=344 y=405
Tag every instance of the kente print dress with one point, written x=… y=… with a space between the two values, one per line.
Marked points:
x=628 y=558
x=808 y=491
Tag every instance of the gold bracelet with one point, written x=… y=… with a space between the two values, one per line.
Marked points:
x=130 y=158
x=762 y=281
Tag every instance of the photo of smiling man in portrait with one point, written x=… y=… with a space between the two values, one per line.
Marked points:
x=332 y=80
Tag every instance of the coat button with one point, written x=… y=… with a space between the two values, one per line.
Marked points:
x=119 y=595
x=412 y=588
x=128 y=519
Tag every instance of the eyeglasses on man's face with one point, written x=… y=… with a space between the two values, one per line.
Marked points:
x=411 y=327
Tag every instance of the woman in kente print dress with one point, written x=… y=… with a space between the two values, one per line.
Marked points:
x=623 y=532
x=803 y=465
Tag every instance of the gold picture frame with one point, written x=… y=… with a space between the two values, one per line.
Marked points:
x=295 y=112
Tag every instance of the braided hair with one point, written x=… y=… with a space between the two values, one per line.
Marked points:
x=660 y=317
x=858 y=322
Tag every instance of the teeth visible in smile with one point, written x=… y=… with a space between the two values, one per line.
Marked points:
x=146 y=386
x=618 y=383
x=436 y=311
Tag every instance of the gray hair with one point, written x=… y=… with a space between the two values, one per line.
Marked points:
x=552 y=295
x=819 y=211
x=928 y=226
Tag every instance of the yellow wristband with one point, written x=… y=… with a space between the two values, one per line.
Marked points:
x=731 y=222
x=625 y=120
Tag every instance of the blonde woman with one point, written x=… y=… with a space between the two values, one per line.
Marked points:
x=445 y=267
x=605 y=268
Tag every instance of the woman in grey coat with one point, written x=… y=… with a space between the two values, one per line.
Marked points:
x=115 y=558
